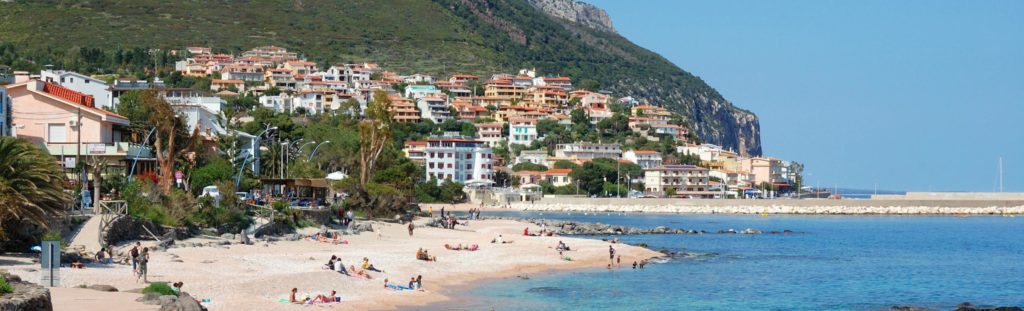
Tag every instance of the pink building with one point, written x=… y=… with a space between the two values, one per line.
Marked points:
x=68 y=123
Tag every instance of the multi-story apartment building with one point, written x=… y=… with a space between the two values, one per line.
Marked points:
x=434 y=108
x=490 y=133
x=459 y=159
x=539 y=157
x=522 y=131
x=504 y=90
x=650 y=111
x=687 y=181
x=588 y=151
x=416 y=150
x=421 y=91
x=563 y=83
x=275 y=53
x=242 y=72
x=403 y=110
x=643 y=158
x=764 y=169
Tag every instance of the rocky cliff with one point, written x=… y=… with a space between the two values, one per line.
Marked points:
x=577 y=12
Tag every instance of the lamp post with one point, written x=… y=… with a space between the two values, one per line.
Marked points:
x=256 y=148
x=311 y=154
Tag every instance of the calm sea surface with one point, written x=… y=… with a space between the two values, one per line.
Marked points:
x=834 y=263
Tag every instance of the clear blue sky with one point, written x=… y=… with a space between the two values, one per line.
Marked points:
x=911 y=95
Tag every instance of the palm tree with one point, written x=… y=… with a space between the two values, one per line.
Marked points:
x=30 y=183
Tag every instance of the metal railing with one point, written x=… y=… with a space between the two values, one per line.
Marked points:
x=110 y=210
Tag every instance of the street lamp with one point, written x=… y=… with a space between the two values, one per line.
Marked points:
x=311 y=154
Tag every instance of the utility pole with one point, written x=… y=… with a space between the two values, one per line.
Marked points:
x=78 y=158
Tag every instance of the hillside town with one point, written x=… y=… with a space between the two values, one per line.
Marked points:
x=503 y=137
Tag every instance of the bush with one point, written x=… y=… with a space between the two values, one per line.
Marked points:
x=158 y=288
x=5 y=287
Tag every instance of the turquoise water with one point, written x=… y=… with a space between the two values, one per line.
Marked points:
x=835 y=263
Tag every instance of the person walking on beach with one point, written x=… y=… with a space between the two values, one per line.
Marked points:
x=618 y=261
x=143 y=262
x=430 y=211
x=410 y=228
x=611 y=253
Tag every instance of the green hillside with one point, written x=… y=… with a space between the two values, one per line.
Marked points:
x=438 y=37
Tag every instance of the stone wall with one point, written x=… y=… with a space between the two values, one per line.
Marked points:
x=127 y=228
x=317 y=216
x=26 y=297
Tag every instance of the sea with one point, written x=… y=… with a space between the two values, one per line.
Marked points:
x=828 y=263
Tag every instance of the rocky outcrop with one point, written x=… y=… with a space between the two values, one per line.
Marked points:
x=26 y=297
x=181 y=302
x=126 y=228
x=578 y=12
x=562 y=227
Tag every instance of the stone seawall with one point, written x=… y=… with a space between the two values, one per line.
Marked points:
x=780 y=206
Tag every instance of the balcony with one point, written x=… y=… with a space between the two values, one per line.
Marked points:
x=117 y=149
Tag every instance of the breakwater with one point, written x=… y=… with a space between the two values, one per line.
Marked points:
x=779 y=206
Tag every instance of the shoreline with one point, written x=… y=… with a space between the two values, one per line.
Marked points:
x=255 y=277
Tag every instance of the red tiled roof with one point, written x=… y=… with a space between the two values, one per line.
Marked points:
x=645 y=152
x=69 y=95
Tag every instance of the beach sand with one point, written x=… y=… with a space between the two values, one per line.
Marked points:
x=256 y=277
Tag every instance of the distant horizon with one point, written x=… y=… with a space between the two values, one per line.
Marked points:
x=913 y=95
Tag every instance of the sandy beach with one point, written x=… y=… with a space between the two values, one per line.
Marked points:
x=257 y=277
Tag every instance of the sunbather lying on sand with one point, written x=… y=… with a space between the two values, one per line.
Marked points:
x=391 y=286
x=500 y=240
x=352 y=271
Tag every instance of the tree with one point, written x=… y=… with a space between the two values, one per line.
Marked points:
x=565 y=164
x=374 y=134
x=590 y=85
x=527 y=166
x=30 y=183
x=166 y=145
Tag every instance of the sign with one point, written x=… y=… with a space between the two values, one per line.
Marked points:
x=69 y=163
x=50 y=261
x=97 y=148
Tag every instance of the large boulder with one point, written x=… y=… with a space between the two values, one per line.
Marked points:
x=26 y=297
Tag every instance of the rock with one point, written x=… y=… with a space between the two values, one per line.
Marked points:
x=660 y=229
x=102 y=288
x=292 y=237
x=166 y=300
x=750 y=231
x=227 y=236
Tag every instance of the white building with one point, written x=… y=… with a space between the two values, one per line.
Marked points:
x=490 y=133
x=643 y=158
x=539 y=157
x=686 y=181
x=434 y=108
x=459 y=159
x=278 y=103
x=200 y=112
x=421 y=91
x=5 y=112
x=99 y=90
x=522 y=131
x=588 y=151
x=418 y=79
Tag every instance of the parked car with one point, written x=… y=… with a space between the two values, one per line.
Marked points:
x=244 y=196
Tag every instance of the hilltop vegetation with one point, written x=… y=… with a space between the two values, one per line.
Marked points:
x=438 y=37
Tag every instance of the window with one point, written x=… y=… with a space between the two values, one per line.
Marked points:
x=56 y=133
x=469 y=166
x=431 y=164
x=449 y=165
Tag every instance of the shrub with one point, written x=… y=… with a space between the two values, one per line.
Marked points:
x=5 y=287
x=158 y=288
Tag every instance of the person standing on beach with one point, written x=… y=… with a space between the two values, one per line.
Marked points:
x=618 y=261
x=430 y=211
x=611 y=253
x=410 y=228
x=134 y=254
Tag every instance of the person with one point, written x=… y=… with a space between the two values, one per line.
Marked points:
x=368 y=266
x=134 y=254
x=618 y=261
x=412 y=283
x=390 y=285
x=143 y=262
x=179 y=177
x=333 y=297
x=330 y=263
x=634 y=265
x=357 y=272
x=609 y=266
x=643 y=263
x=442 y=210
x=291 y=298
x=611 y=253
x=176 y=287
x=500 y=240
x=410 y=228
x=340 y=267
x=349 y=216
x=430 y=211
x=526 y=231
x=103 y=256
x=419 y=282
x=76 y=264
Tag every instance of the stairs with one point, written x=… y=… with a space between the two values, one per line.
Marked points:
x=87 y=238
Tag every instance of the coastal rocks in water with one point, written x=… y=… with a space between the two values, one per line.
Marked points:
x=967 y=306
x=750 y=231
x=545 y=290
x=102 y=288
x=729 y=231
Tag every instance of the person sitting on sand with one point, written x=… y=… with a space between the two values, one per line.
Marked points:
x=422 y=254
x=412 y=283
x=526 y=231
x=330 y=263
x=292 y=299
x=368 y=266
x=176 y=287
x=500 y=240
x=561 y=246
x=339 y=267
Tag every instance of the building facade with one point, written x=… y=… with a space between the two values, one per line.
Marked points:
x=688 y=181
x=588 y=151
x=459 y=159
x=522 y=131
x=643 y=158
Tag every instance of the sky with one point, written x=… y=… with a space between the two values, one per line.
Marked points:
x=899 y=95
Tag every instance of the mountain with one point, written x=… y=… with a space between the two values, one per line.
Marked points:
x=440 y=37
